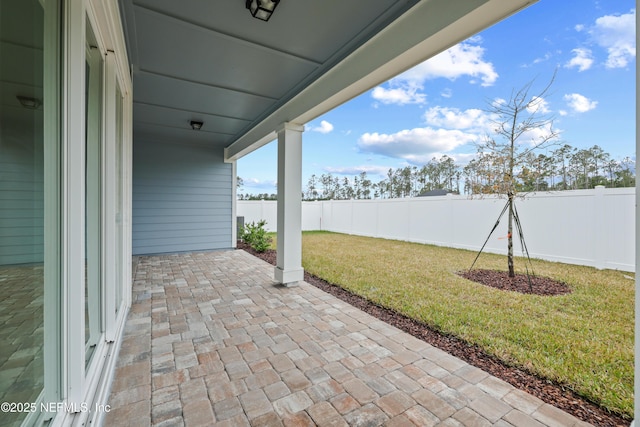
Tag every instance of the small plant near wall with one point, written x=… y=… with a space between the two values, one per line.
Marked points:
x=256 y=236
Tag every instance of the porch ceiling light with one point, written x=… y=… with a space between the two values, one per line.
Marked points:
x=28 y=102
x=262 y=9
x=196 y=125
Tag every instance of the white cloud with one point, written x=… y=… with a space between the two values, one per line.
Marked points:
x=446 y=93
x=415 y=145
x=582 y=59
x=325 y=127
x=357 y=170
x=448 y=129
x=480 y=123
x=463 y=59
x=497 y=102
x=398 y=95
x=258 y=183
x=547 y=56
x=536 y=135
x=474 y=120
x=579 y=103
x=538 y=105
x=617 y=34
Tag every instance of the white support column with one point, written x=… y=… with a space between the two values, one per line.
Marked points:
x=288 y=268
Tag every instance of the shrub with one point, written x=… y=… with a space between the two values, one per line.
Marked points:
x=256 y=236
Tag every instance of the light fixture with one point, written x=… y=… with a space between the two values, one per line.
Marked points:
x=28 y=102
x=262 y=9
x=196 y=125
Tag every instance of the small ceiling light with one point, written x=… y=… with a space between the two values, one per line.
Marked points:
x=262 y=9
x=196 y=125
x=28 y=102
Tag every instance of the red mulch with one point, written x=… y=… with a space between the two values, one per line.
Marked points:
x=546 y=390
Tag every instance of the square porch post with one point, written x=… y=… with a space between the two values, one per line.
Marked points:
x=288 y=268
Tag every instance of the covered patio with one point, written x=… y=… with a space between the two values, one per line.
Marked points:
x=122 y=121
x=211 y=337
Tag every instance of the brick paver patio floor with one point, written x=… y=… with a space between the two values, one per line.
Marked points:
x=210 y=340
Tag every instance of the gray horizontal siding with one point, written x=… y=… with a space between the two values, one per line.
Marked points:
x=21 y=195
x=155 y=227
x=6 y=232
x=182 y=198
x=178 y=196
x=177 y=247
x=194 y=219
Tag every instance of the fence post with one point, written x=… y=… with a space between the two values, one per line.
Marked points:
x=450 y=220
x=599 y=230
x=351 y=208
x=377 y=229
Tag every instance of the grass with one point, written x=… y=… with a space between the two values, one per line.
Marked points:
x=583 y=340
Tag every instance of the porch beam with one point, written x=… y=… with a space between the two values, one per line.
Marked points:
x=288 y=268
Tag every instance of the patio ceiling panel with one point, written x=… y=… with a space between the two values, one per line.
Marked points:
x=147 y=113
x=314 y=30
x=428 y=28
x=167 y=133
x=211 y=58
x=212 y=61
x=197 y=98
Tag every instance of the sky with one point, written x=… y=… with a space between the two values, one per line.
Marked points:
x=440 y=106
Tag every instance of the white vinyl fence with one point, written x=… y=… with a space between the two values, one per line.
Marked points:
x=585 y=227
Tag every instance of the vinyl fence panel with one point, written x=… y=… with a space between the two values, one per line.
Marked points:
x=585 y=227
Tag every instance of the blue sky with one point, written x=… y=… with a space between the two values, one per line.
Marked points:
x=438 y=107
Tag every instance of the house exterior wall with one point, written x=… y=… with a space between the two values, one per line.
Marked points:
x=21 y=193
x=182 y=198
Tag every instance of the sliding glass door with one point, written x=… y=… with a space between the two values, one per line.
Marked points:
x=64 y=159
x=93 y=195
x=29 y=207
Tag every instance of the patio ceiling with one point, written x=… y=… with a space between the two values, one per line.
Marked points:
x=211 y=61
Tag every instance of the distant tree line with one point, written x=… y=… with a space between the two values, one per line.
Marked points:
x=409 y=181
x=565 y=168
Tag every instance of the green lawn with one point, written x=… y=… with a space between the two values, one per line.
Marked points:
x=583 y=340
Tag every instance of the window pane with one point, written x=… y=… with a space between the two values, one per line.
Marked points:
x=93 y=194
x=119 y=236
x=22 y=213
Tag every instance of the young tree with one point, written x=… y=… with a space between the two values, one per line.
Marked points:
x=612 y=168
x=626 y=175
x=562 y=156
x=522 y=125
x=312 y=188
x=581 y=164
x=599 y=157
x=365 y=185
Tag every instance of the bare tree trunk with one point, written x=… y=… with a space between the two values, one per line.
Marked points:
x=510 y=239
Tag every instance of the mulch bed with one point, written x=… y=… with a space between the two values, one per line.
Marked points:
x=547 y=391
x=520 y=283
